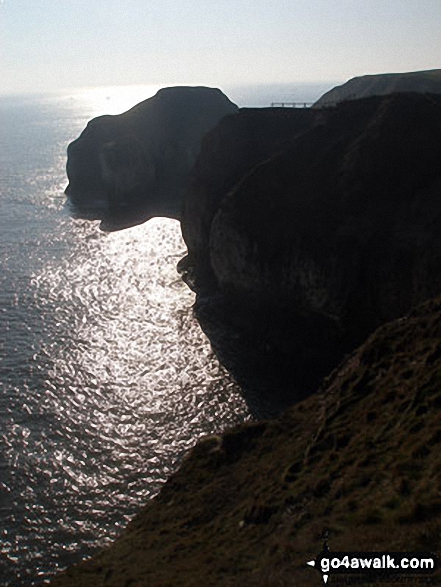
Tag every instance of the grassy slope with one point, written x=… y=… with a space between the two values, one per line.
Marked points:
x=361 y=458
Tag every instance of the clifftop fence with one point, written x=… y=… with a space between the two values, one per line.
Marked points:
x=291 y=104
x=303 y=104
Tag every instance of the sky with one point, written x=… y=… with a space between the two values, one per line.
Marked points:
x=52 y=45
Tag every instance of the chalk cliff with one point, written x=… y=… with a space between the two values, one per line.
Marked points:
x=360 y=460
x=128 y=168
x=424 y=82
x=228 y=153
x=316 y=246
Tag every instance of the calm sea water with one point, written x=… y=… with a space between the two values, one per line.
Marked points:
x=105 y=377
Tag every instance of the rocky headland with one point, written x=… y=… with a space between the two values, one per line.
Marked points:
x=428 y=82
x=314 y=247
x=128 y=168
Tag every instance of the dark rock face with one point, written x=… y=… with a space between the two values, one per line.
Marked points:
x=382 y=84
x=125 y=169
x=317 y=246
x=228 y=152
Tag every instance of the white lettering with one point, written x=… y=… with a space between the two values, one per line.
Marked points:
x=390 y=562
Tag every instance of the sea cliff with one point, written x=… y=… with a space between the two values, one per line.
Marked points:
x=127 y=168
x=423 y=82
x=297 y=257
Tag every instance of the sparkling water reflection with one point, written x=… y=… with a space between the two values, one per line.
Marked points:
x=121 y=383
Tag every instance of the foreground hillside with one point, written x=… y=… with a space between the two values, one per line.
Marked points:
x=361 y=459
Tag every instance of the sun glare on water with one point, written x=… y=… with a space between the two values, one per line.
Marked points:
x=124 y=382
x=113 y=99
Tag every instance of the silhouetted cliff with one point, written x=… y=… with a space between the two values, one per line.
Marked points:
x=128 y=168
x=423 y=82
x=322 y=242
x=308 y=231
x=228 y=153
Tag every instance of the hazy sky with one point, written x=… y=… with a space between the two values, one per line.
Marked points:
x=63 y=44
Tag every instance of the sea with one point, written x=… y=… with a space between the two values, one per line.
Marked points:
x=106 y=379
